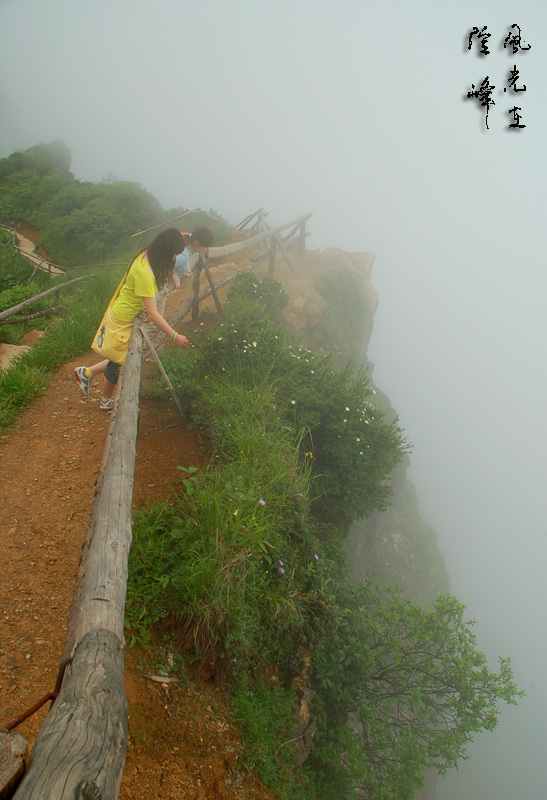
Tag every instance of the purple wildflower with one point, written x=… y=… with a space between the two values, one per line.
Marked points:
x=261 y=502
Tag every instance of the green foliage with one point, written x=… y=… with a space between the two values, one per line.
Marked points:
x=95 y=220
x=19 y=386
x=256 y=298
x=14 y=269
x=350 y=447
x=213 y=559
x=43 y=159
x=266 y=715
x=13 y=332
x=342 y=327
x=67 y=335
x=79 y=222
x=248 y=558
x=401 y=689
x=16 y=294
x=251 y=564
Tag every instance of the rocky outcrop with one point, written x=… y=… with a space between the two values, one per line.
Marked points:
x=306 y=305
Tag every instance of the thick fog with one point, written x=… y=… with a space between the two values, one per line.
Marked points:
x=357 y=111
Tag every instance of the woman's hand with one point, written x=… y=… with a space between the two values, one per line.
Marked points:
x=181 y=341
x=176 y=281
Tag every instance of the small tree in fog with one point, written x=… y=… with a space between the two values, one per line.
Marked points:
x=405 y=689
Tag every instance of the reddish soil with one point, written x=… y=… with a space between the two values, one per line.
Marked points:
x=181 y=742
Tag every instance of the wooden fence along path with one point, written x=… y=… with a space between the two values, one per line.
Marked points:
x=9 y=312
x=79 y=752
x=38 y=261
x=80 y=749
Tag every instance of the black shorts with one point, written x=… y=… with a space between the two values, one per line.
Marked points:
x=112 y=372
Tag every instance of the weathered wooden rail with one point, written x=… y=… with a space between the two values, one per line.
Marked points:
x=50 y=267
x=267 y=235
x=259 y=216
x=81 y=745
x=9 y=312
x=79 y=752
x=38 y=261
x=227 y=249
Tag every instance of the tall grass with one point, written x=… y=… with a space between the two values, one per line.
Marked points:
x=212 y=559
x=266 y=714
x=19 y=386
x=236 y=560
x=66 y=336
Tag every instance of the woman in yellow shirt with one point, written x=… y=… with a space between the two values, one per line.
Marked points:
x=147 y=274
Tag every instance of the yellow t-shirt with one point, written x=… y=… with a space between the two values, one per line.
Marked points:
x=140 y=282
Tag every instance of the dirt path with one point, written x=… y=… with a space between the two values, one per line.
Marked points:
x=26 y=241
x=181 y=743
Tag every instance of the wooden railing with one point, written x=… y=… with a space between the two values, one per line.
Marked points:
x=268 y=235
x=81 y=745
x=10 y=312
x=80 y=749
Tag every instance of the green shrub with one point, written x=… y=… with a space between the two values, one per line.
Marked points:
x=78 y=222
x=16 y=294
x=234 y=559
x=254 y=568
x=400 y=689
x=350 y=446
x=67 y=335
x=343 y=325
x=261 y=297
x=19 y=386
x=15 y=269
x=267 y=715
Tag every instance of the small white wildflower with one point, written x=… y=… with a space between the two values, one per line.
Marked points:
x=254 y=344
x=344 y=420
x=358 y=439
x=347 y=409
x=293 y=402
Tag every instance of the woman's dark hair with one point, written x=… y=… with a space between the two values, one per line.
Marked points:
x=162 y=251
x=204 y=236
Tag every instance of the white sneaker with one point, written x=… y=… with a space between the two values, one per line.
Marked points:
x=107 y=405
x=83 y=381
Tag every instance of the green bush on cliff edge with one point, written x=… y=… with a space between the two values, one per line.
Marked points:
x=249 y=560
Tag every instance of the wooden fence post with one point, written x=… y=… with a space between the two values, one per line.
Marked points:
x=195 y=286
x=302 y=238
x=203 y=261
x=164 y=374
x=284 y=254
x=273 y=248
